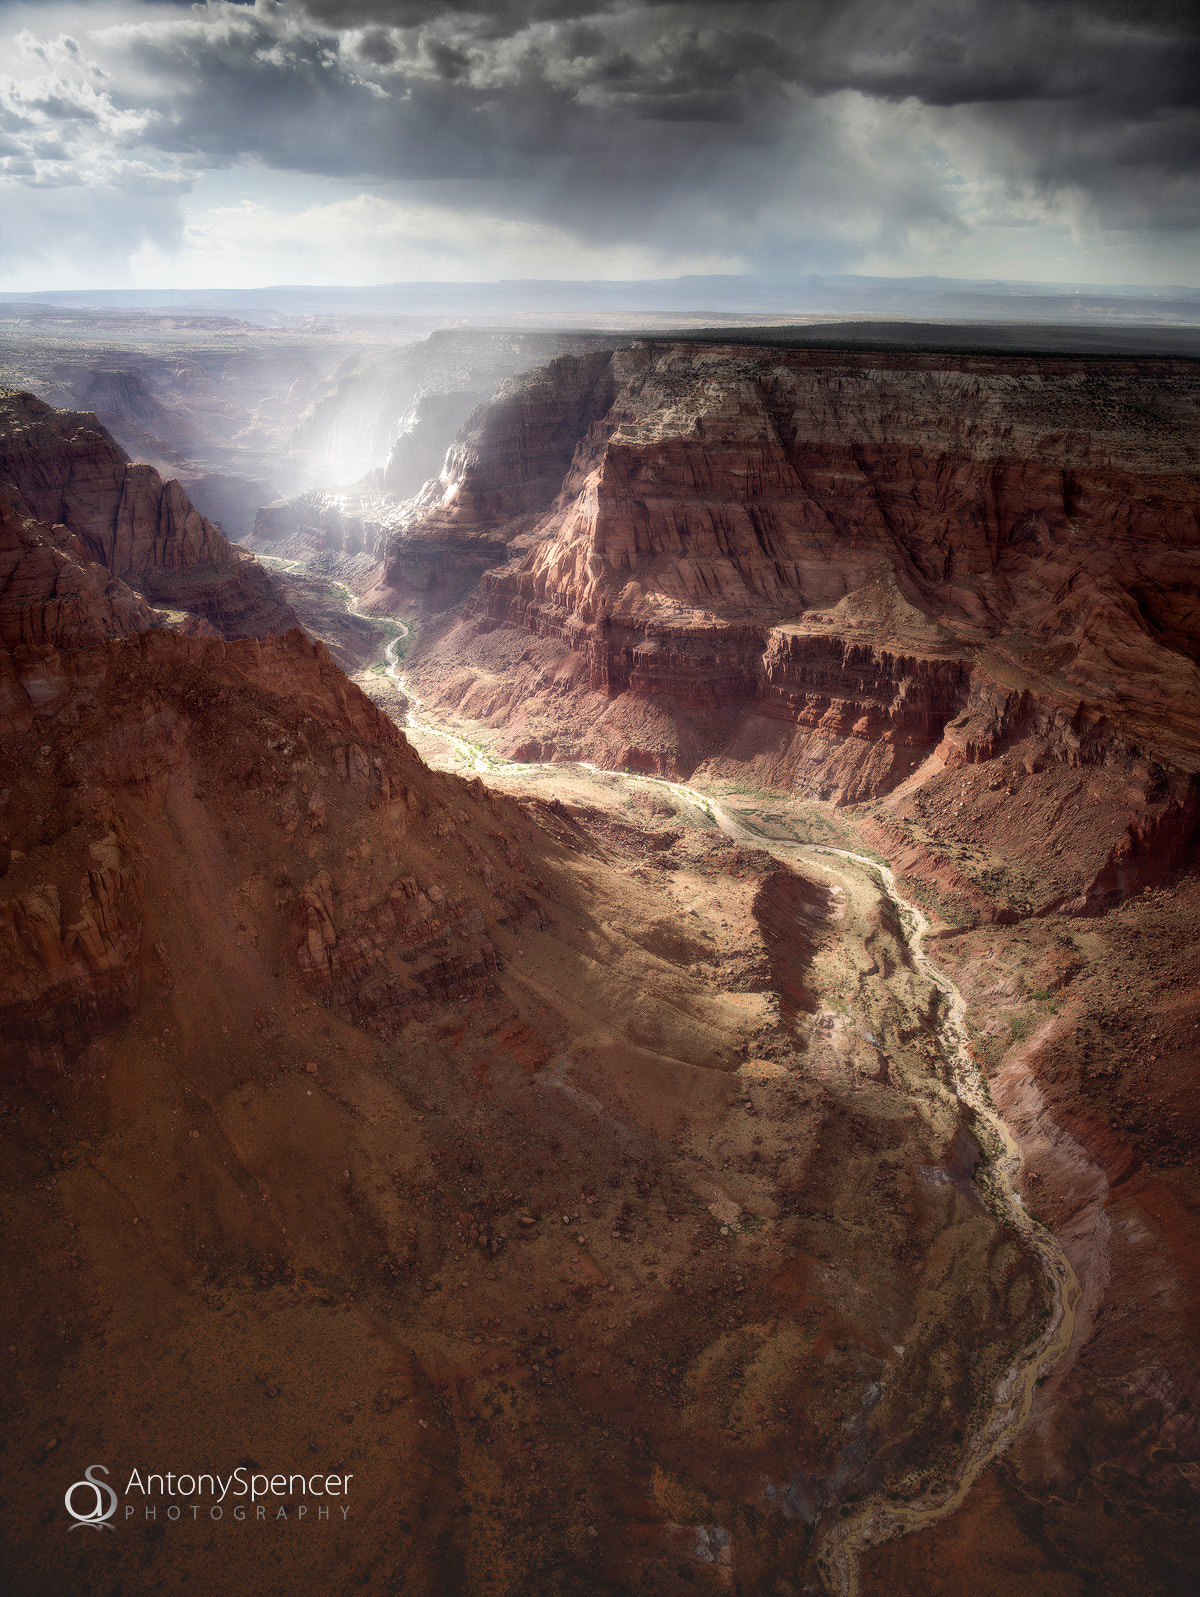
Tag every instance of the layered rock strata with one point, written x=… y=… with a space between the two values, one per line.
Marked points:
x=403 y=406
x=73 y=972
x=61 y=468
x=334 y=531
x=829 y=571
x=52 y=594
x=578 y=1169
x=404 y=411
x=423 y=432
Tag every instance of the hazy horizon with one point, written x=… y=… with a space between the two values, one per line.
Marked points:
x=1065 y=284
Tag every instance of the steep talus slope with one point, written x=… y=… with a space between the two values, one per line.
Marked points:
x=830 y=572
x=131 y=706
x=61 y=468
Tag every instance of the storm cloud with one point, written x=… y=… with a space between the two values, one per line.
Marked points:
x=769 y=136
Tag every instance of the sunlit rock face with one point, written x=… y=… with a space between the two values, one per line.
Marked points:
x=834 y=571
x=418 y=450
x=500 y=475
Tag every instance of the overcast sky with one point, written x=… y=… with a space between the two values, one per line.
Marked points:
x=150 y=143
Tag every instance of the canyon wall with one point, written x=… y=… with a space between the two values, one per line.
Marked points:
x=824 y=571
x=389 y=423
x=206 y=403
x=414 y=397
x=52 y=594
x=338 y=532
x=74 y=900
x=62 y=469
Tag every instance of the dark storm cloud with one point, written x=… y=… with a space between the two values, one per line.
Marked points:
x=424 y=104
x=496 y=19
x=629 y=119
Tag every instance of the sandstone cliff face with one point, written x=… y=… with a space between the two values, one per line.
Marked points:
x=422 y=435
x=829 y=569
x=67 y=469
x=504 y=470
x=62 y=468
x=317 y=1058
x=340 y=532
x=72 y=951
x=408 y=403
x=513 y=453
x=384 y=429
x=52 y=594
x=229 y=499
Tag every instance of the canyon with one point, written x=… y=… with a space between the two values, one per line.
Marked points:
x=334 y=1037
x=408 y=1069
x=947 y=609
x=405 y=410
x=842 y=576
x=248 y=416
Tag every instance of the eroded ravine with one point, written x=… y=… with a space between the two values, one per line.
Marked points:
x=880 y=1518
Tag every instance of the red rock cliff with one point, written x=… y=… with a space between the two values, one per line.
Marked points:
x=61 y=468
x=51 y=593
x=503 y=471
x=829 y=567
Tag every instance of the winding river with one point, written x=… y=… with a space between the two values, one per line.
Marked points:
x=878 y=1519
